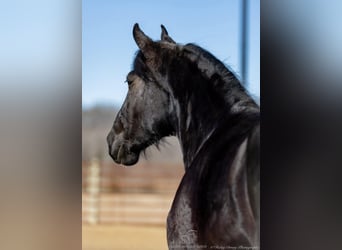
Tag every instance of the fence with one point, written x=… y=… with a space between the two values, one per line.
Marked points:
x=126 y=208
x=116 y=195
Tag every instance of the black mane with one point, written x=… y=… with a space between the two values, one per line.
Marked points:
x=211 y=69
x=209 y=64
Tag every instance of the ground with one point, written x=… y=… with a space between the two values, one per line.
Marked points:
x=122 y=237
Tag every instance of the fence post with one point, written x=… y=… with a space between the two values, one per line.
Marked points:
x=93 y=190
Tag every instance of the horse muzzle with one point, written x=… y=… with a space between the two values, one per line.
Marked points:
x=120 y=151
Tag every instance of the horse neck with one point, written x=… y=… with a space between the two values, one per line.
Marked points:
x=202 y=110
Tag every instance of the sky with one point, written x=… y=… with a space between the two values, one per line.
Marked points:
x=108 y=47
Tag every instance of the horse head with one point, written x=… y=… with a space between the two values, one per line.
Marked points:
x=146 y=114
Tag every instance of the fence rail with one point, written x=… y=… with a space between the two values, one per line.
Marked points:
x=148 y=209
x=123 y=196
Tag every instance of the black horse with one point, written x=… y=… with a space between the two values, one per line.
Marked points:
x=185 y=91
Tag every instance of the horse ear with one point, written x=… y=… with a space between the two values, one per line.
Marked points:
x=144 y=42
x=165 y=36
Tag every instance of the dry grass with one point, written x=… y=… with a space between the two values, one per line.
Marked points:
x=122 y=237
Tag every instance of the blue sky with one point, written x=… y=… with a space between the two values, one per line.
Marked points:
x=108 y=47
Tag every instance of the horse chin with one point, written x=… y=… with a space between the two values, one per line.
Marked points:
x=130 y=159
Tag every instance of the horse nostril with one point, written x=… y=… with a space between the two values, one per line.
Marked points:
x=110 y=140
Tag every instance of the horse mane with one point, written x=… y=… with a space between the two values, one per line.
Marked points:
x=210 y=66
x=219 y=75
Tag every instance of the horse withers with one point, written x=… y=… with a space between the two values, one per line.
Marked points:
x=185 y=91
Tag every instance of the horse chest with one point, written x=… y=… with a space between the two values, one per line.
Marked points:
x=181 y=231
x=184 y=229
x=209 y=217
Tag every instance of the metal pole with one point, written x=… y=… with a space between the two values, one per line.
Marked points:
x=244 y=29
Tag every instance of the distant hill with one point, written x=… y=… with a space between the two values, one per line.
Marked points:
x=96 y=124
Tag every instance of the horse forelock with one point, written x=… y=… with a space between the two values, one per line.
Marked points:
x=139 y=64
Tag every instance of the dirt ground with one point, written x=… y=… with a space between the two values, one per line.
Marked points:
x=122 y=237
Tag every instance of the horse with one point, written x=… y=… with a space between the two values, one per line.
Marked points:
x=184 y=91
